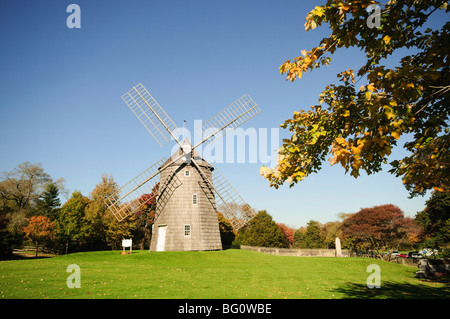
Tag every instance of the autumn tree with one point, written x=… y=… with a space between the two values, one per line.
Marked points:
x=331 y=231
x=145 y=217
x=99 y=228
x=359 y=120
x=97 y=220
x=23 y=185
x=287 y=232
x=21 y=191
x=227 y=233
x=70 y=221
x=413 y=233
x=39 y=230
x=377 y=228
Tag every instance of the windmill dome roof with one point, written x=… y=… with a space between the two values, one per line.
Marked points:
x=178 y=159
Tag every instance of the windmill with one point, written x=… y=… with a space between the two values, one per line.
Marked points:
x=190 y=190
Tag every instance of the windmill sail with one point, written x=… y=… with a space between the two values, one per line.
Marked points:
x=230 y=117
x=148 y=111
x=230 y=203
x=171 y=183
x=127 y=199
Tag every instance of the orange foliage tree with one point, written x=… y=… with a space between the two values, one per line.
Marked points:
x=39 y=229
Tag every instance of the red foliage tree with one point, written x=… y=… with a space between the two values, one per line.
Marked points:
x=145 y=216
x=377 y=228
x=287 y=232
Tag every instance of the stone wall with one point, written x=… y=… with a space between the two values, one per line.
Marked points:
x=297 y=252
x=413 y=262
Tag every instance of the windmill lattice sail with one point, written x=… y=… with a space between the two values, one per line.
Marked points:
x=127 y=199
x=171 y=183
x=148 y=111
x=230 y=117
x=230 y=203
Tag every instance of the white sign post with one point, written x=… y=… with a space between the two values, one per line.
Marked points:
x=127 y=243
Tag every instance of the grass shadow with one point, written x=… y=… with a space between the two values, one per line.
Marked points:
x=394 y=290
x=22 y=256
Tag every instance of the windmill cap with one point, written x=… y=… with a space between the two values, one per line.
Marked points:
x=177 y=159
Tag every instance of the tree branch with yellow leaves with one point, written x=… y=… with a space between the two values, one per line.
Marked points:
x=357 y=127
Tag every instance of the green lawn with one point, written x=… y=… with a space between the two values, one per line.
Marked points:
x=230 y=274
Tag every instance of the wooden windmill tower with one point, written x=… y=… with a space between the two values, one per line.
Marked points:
x=191 y=191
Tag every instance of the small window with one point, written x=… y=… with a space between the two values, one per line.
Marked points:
x=187 y=173
x=194 y=199
x=187 y=230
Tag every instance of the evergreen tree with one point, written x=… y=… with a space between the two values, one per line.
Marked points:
x=435 y=220
x=313 y=237
x=263 y=231
x=299 y=238
x=309 y=238
x=49 y=203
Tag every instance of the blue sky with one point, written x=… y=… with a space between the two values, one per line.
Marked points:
x=61 y=106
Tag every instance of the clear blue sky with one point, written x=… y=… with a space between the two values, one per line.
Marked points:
x=61 y=106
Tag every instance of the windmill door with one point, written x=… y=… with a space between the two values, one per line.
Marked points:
x=161 y=238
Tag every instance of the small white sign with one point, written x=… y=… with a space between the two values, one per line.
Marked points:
x=126 y=242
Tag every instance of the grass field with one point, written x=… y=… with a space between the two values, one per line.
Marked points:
x=229 y=274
